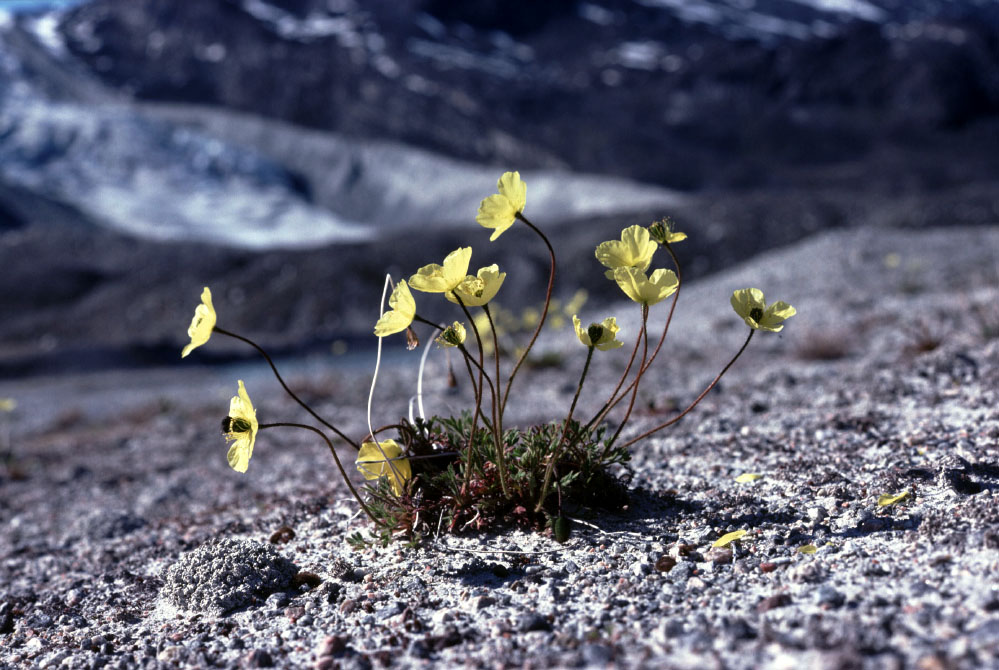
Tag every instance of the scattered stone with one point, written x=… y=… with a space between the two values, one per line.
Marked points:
x=282 y=535
x=258 y=658
x=533 y=621
x=773 y=602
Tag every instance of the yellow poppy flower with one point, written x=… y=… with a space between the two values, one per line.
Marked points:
x=750 y=305
x=599 y=335
x=7 y=404
x=452 y=336
x=240 y=428
x=401 y=315
x=633 y=250
x=662 y=231
x=477 y=291
x=499 y=211
x=646 y=290
x=435 y=278
x=202 y=323
x=373 y=465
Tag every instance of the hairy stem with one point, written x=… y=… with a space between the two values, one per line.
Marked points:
x=497 y=436
x=336 y=458
x=634 y=384
x=544 y=312
x=696 y=400
x=556 y=452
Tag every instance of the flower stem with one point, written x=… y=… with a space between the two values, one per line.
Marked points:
x=544 y=312
x=497 y=436
x=336 y=458
x=696 y=400
x=277 y=374
x=469 y=451
x=553 y=458
x=634 y=384
x=614 y=398
x=609 y=404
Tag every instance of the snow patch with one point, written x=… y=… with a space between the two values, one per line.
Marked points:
x=45 y=29
x=856 y=8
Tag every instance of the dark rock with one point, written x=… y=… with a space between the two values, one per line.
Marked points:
x=830 y=597
x=773 y=602
x=532 y=622
x=258 y=658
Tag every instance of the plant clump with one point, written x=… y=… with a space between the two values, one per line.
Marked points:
x=471 y=472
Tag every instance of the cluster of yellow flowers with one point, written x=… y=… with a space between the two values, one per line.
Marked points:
x=627 y=262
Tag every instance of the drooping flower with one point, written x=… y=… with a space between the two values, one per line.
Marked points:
x=634 y=250
x=600 y=335
x=500 y=210
x=372 y=464
x=646 y=290
x=202 y=323
x=663 y=231
x=240 y=428
x=480 y=289
x=401 y=315
x=435 y=278
x=452 y=336
x=750 y=305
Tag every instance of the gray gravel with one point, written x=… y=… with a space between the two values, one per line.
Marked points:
x=887 y=381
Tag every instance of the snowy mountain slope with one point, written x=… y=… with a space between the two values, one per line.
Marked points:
x=242 y=181
x=693 y=95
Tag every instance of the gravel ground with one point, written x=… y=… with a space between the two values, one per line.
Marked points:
x=128 y=542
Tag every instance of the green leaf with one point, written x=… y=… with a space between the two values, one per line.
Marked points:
x=560 y=528
x=729 y=538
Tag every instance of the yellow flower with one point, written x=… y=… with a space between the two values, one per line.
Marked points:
x=401 y=315
x=435 y=278
x=452 y=336
x=662 y=232
x=634 y=250
x=599 y=335
x=477 y=291
x=500 y=211
x=749 y=304
x=201 y=324
x=240 y=428
x=7 y=404
x=646 y=290
x=372 y=464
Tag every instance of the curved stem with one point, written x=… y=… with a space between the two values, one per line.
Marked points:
x=634 y=384
x=497 y=436
x=696 y=400
x=277 y=374
x=544 y=312
x=602 y=412
x=614 y=398
x=466 y=480
x=553 y=458
x=336 y=458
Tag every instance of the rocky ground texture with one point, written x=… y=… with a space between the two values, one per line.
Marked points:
x=128 y=542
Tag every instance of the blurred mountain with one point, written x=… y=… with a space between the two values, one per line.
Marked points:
x=315 y=144
x=682 y=93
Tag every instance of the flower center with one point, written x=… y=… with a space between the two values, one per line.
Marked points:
x=232 y=425
x=756 y=314
x=595 y=332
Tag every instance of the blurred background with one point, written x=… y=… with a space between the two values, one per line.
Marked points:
x=288 y=153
